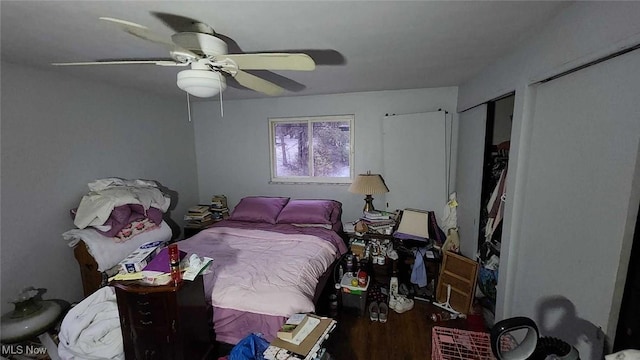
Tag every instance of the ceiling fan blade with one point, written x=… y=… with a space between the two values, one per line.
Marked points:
x=180 y=23
x=144 y=33
x=271 y=61
x=255 y=83
x=140 y=31
x=124 y=62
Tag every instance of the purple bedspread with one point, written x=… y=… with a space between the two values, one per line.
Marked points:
x=232 y=325
x=320 y=232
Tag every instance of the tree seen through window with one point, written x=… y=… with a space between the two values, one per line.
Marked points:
x=311 y=148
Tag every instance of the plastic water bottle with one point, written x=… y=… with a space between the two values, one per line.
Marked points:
x=350 y=266
x=333 y=301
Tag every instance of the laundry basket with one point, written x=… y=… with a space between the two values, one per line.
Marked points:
x=454 y=344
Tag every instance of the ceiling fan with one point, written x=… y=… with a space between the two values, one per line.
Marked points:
x=198 y=47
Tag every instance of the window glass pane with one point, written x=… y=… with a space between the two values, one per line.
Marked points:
x=291 y=149
x=331 y=149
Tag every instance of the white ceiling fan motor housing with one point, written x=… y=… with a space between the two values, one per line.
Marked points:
x=200 y=43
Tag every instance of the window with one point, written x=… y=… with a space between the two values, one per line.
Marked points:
x=312 y=149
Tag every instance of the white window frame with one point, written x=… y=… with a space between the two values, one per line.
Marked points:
x=310 y=120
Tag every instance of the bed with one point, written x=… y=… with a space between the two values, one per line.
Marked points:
x=272 y=258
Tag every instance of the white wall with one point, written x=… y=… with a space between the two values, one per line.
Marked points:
x=581 y=33
x=58 y=134
x=233 y=151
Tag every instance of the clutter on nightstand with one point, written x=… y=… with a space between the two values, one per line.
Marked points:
x=198 y=216
x=137 y=260
x=202 y=216
x=358 y=247
x=354 y=293
x=218 y=207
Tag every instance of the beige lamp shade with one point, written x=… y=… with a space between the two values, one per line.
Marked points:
x=414 y=222
x=368 y=184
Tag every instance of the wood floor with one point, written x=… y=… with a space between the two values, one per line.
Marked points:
x=403 y=336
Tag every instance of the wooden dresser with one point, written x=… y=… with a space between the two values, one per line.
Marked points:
x=164 y=322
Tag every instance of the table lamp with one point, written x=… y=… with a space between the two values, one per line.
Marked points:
x=368 y=184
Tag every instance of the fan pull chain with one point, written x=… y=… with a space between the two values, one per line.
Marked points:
x=188 y=107
x=220 y=86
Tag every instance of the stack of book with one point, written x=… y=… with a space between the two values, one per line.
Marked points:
x=377 y=215
x=218 y=207
x=294 y=325
x=380 y=222
x=198 y=217
x=301 y=337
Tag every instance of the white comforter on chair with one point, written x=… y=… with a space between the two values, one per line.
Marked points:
x=91 y=329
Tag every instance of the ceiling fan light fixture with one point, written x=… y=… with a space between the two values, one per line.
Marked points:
x=201 y=83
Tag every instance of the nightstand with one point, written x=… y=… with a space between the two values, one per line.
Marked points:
x=380 y=272
x=164 y=322
x=402 y=267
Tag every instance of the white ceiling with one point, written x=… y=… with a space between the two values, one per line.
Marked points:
x=366 y=45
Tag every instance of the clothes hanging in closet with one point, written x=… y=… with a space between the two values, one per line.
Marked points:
x=495 y=207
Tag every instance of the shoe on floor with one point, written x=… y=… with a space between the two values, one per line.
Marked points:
x=400 y=303
x=384 y=312
x=403 y=290
x=374 y=311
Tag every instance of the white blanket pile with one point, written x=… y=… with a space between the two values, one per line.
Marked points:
x=107 y=194
x=109 y=253
x=91 y=329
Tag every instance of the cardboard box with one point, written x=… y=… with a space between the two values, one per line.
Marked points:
x=358 y=248
x=137 y=260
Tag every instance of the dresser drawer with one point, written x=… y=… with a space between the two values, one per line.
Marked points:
x=165 y=322
x=149 y=310
x=155 y=344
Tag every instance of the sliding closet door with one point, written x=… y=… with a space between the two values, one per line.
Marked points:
x=472 y=126
x=415 y=163
x=580 y=202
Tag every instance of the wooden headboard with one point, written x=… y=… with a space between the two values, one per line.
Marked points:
x=92 y=279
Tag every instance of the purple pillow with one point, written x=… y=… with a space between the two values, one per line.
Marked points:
x=310 y=212
x=259 y=209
